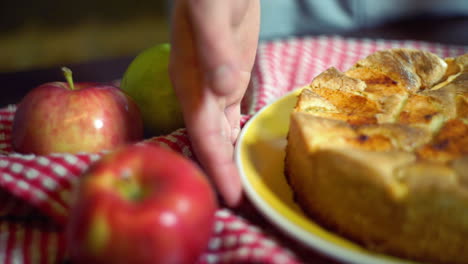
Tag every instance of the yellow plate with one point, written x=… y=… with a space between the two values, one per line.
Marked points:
x=259 y=157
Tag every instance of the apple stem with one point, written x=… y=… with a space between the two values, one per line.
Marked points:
x=68 y=76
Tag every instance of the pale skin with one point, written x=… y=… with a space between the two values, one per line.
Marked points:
x=213 y=47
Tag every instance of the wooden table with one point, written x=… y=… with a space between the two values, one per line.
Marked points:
x=448 y=31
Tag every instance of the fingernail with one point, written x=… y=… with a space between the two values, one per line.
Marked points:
x=223 y=79
x=234 y=196
x=234 y=134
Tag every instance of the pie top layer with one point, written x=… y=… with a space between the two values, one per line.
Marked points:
x=403 y=101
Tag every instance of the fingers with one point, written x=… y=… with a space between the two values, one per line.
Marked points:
x=203 y=110
x=210 y=136
x=232 y=110
x=233 y=118
x=215 y=43
x=208 y=70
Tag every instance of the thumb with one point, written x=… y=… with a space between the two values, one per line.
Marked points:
x=215 y=44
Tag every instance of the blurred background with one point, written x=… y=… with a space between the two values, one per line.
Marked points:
x=41 y=34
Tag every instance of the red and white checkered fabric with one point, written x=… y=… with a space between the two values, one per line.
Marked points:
x=35 y=190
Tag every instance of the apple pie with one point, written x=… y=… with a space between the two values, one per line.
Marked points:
x=379 y=154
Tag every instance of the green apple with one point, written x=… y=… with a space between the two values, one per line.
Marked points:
x=147 y=81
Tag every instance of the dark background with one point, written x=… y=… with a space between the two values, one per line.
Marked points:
x=98 y=39
x=41 y=34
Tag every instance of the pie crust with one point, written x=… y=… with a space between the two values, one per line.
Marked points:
x=379 y=154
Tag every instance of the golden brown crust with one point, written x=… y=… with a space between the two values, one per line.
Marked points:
x=448 y=144
x=376 y=82
x=412 y=69
x=379 y=154
x=336 y=80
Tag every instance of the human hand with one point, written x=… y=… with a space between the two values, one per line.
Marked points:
x=213 y=47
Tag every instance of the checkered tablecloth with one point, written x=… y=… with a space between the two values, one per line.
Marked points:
x=35 y=190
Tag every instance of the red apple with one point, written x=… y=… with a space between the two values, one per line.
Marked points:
x=141 y=204
x=81 y=117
